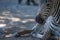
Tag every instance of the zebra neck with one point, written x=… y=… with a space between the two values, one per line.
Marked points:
x=57 y=13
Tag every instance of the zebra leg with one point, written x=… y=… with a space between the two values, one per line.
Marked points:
x=19 y=1
x=28 y=2
x=33 y=1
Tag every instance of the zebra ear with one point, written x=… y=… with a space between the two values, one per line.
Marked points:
x=39 y=19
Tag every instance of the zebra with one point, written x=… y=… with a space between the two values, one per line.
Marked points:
x=48 y=9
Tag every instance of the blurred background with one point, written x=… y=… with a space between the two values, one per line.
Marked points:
x=17 y=15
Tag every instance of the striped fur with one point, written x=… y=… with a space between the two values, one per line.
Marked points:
x=46 y=9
